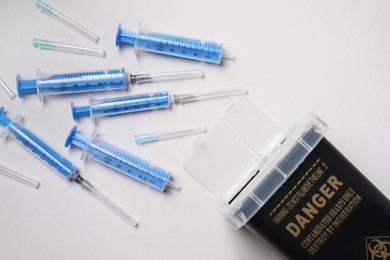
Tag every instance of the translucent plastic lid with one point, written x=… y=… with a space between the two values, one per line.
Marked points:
x=247 y=157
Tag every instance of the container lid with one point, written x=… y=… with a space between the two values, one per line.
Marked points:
x=246 y=157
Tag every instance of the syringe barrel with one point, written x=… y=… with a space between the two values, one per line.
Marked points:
x=118 y=159
x=119 y=105
x=67 y=83
x=171 y=45
x=35 y=145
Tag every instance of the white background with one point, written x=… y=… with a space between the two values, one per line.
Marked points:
x=295 y=57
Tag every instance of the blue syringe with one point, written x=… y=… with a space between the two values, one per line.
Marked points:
x=99 y=80
x=65 y=168
x=172 y=45
x=120 y=160
x=142 y=102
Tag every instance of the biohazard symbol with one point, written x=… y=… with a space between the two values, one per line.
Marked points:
x=378 y=249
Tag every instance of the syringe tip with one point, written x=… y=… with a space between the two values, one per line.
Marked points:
x=173 y=185
x=227 y=55
x=161 y=76
x=88 y=187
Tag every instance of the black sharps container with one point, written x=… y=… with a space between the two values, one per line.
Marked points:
x=294 y=189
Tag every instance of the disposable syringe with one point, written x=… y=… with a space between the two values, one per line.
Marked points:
x=162 y=43
x=142 y=102
x=120 y=160
x=99 y=80
x=34 y=144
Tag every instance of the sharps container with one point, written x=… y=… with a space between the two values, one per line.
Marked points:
x=293 y=188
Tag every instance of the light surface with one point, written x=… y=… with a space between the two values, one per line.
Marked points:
x=295 y=57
